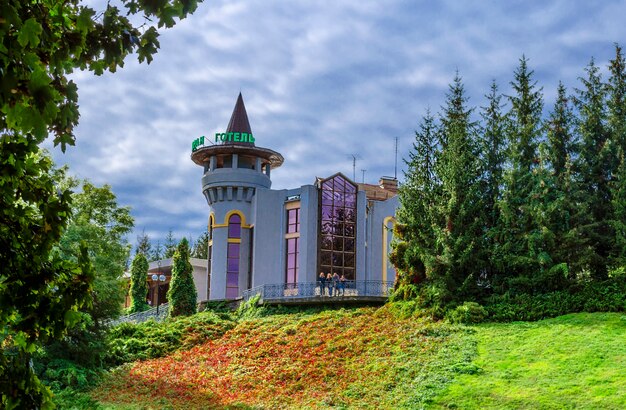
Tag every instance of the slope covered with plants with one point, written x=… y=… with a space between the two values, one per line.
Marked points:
x=360 y=358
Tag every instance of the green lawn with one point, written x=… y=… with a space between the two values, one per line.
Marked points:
x=573 y=361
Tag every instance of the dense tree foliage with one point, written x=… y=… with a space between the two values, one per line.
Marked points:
x=520 y=203
x=101 y=224
x=41 y=43
x=182 y=294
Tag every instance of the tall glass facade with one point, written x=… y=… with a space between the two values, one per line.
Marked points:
x=232 y=256
x=337 y=211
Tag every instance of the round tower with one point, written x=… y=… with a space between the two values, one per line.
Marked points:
x=234 y=168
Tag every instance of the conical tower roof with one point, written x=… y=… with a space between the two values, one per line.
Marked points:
x=239 y=120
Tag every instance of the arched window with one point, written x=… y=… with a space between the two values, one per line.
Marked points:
x=232 y=256
x=234 y=227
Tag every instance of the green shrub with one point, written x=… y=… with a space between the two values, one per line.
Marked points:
x=604 y=296
x=129 y=341
x=182 y=293
x=468 y=313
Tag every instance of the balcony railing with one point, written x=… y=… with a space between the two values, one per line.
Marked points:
x=351 y=289
x=143 y=316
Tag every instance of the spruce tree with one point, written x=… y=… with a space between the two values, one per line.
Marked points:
x=182 y=295
x=138 y=283
x=170 y=245
x=459 y=226
x=616 y=103
x=518 y=234
x=618 y=258
x=492 y=143
x=565 y=212
x=594 y=165
x=413 y=232
x=143 y=244
x=201 y=246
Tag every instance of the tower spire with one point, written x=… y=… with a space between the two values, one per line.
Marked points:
x=239 y=119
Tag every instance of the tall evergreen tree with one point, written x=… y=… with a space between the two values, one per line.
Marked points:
x=458 y=233
x=618 y=259
x=439 y=229
x=157 y=252
x=565 y=212
x=616 y=103
x=182 y=294
x=170 y=245
x=143 y=244
x=559 y=127
x=492 y=143
x=594 y=165
x=139 y=283
x=201 y=246
x=519 y=234
x=413 y=233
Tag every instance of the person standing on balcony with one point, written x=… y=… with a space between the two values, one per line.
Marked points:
x=336 y=283
x=322 y=283
x=329 y=282
x=342 y=284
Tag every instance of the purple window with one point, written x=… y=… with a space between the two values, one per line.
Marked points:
x=337 y=216
x=232 y=257
x=293 y=220
x=234 y=226
x=292 y=268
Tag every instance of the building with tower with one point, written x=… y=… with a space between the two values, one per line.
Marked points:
x=260 y=236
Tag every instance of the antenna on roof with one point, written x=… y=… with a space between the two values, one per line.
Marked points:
x=363 y=171
x=395 y=165
x=354 y=158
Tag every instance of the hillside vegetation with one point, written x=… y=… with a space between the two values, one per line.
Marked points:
x=361 y=358
x=383 y=358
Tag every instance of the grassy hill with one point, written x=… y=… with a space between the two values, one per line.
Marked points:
x=380 y=358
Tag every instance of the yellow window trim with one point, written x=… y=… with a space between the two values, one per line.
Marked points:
x=234 y=240
x=292 y=205
x=292 y=235
x=385 y=240
x=228 y=215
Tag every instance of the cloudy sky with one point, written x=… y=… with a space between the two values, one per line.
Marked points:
x=321 y=81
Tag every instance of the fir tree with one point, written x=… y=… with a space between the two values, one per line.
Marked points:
x=594 y=166
x=157 y=252
x=182 y=294
x=201 y=246
x=143 y=244
x=170 y=245
x=492 y=143
x=138 y=283
x=519 y=231
x=413 y=232
x=565 y=212
x=458 y=233
x=619 y=219
x=616 y=104
x=559 y=129
x=617 y=127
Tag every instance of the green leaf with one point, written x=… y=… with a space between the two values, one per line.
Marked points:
x=29 y=33
x=71 y=318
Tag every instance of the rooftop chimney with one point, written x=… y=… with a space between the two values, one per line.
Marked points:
x=389 y=184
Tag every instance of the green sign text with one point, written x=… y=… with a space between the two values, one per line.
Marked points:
x=234 y=136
